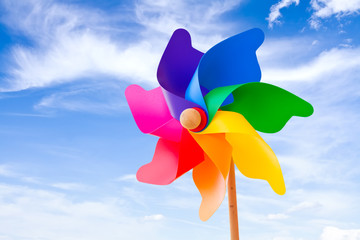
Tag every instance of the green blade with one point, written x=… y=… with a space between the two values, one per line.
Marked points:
x=267 y=107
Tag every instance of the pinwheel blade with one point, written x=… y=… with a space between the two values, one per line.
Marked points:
x=191 y=154
x=178 y=104
x=250 y=153
x=215 y=98
x=176 y=69
x=178 y=63
x=232 y=61
x=255 y=159
x=162 y=169
x=211 y=185
x=217 y=149
x=267 y=107
x=151 y=113
x=171 y=160
x=229 y=122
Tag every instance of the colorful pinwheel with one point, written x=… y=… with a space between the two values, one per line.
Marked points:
x=206 y=113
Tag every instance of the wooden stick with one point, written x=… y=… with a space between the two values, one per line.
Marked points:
x=234 y=225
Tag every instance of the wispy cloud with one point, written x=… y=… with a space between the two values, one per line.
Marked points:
x=304 y=206
x=275 y=14
x=326 y=8
x=200 y=18
x=69 y=186
x=72 y=43
x=6 y=172
x=335 y=61
x=127 y=177
x=278 y=216
x=92 y=97
x=333 y=233
x=49 y=214
x=155 y=217
x=76 y=44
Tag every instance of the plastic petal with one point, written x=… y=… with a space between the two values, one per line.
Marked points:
x=178 y=104
x=178 y=63
x=171 y=160
x=151 y=113
x=162 y=169
x=229 y=122
x=191 y=154
x=212 y=187
x=215 y=98
x=217 y=149
x=255 y=159
x=232 y=61
x=194 y=92
x=267 y=107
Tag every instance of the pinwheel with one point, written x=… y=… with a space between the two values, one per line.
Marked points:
x=207 y=111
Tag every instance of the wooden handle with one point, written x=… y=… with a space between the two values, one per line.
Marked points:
x=234 y=225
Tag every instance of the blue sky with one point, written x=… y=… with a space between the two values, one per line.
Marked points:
x=70 y=148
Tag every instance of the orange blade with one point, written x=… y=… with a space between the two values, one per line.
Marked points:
x=211 y=185
x=217 y=149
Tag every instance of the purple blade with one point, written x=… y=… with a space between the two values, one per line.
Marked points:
x=177 y=104
x=178 y=63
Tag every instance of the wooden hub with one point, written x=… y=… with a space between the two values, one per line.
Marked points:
x=193 y=119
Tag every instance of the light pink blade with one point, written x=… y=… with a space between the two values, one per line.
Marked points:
x=151 y=113
x=163 y=168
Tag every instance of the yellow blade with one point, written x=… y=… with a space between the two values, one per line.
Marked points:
x=225 y=122
x=211 y=185
x=253 y=157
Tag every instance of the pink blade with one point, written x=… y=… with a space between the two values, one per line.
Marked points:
x=162 y=169
x=151 y=113
x=171 y=160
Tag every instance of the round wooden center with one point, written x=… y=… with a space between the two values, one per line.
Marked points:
x=190 y=118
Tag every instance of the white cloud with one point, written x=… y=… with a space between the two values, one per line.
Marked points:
x=327 y=8
x=278 y=216
x=275 y=14
x=84 y=55
x=304 y=206
x=127 y=177
x=286 y=52
x=156 y=217
x=76 y=43
x=6 y=172
x=285 y=238
x=335 y=61
x=69 y=186
x=103 y=98
x=39 y=214
x=333 y=233
x=73 y=43
x=201 y=18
